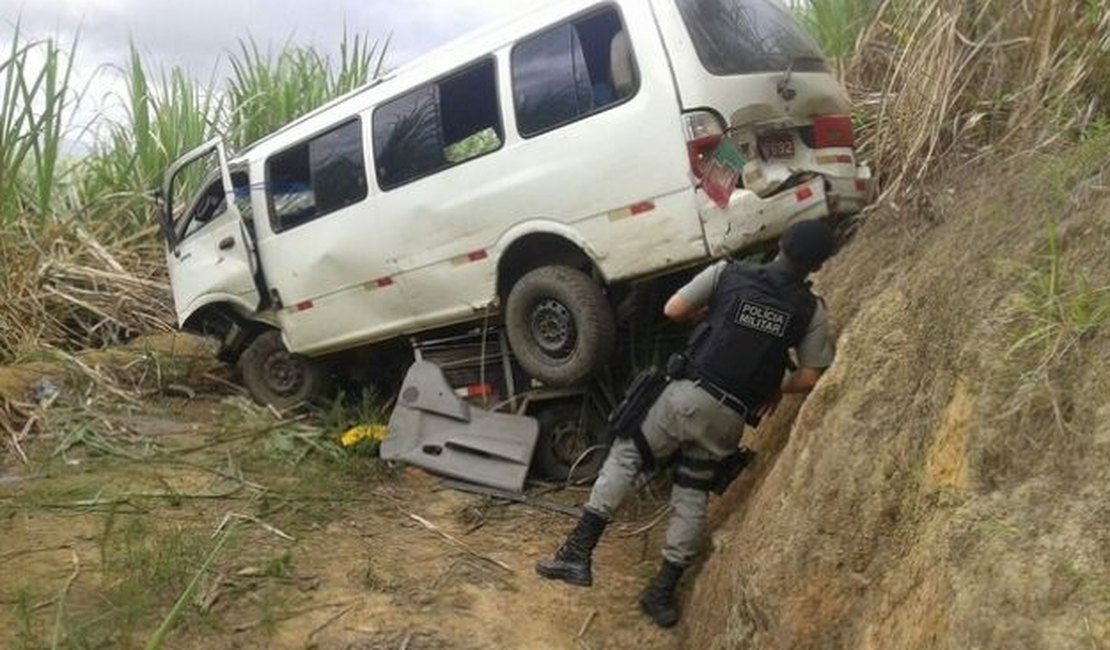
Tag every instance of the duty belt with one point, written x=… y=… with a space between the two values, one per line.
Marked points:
x=722 y=396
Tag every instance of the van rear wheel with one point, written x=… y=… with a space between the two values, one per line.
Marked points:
x=572 y=436
x=560 y=325
x=273 y=375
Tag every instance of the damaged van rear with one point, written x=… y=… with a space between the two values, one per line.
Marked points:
x=531 y=171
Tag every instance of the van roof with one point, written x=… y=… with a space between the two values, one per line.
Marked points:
x=430 y=65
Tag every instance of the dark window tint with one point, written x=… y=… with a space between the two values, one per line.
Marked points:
x=570 y=71
x=747 y=36
x=316 y=177
x=437 y=126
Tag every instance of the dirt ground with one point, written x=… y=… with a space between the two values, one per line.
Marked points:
x=106 y=525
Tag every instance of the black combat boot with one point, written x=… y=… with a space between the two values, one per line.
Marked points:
x=571 y=563
x=658 y=600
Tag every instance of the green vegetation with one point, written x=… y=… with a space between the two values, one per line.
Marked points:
x=158 y=639
x=267 y=91
x=179 y=533
x=1058 y=305
x=1062 y=176
x=939 y=83
x=140 y=568
x=836 y=25
x=479 y=143
x=27 y=632
x=373 y=580
x=80 y=257
x=35 y=78
x=166 y=117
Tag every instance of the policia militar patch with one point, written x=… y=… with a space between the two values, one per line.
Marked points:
x=762 y=318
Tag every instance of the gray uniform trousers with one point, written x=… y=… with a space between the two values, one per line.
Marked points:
x=687 y=419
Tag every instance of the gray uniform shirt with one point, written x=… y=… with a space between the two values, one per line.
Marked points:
x=816 y=349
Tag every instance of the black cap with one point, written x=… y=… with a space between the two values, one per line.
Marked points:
x=808 y=243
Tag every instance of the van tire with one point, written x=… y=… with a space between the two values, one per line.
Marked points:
x=277 y=377
x=570 y=432
x=560 y=325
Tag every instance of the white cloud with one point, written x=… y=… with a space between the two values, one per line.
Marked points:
x=198 y=34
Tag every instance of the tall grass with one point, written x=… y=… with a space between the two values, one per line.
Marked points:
x=80 y=258
x=1058 y=306
x=836 y=24
x=35 y=77
x=268 y=91
x=164 y=120
x=941 y=82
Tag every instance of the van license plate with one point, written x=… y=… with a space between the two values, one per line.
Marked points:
x=778 y=145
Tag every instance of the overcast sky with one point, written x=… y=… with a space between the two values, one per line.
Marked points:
x=197 y=34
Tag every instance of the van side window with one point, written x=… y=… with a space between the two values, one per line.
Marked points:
x=437 y=126
x=318 y=176
x=212 y=203
x=571 y=71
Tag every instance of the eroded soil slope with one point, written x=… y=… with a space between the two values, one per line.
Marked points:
x=948 y=483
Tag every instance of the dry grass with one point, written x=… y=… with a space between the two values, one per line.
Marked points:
x=943 y=82
x=66 y=289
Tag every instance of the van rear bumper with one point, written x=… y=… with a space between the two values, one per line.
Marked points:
x=848 y=195
x=750 y=220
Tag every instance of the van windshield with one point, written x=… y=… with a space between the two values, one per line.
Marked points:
x=748 y=36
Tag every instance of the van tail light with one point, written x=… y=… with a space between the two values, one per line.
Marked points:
x=833 y=131
x=704 y=132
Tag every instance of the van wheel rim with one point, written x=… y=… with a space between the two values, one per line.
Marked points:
x=553 y=328
x=568 y=441
x=283 y=373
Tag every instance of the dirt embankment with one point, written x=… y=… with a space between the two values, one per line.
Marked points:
x=946 y=486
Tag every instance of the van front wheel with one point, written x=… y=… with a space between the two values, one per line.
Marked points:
x=560 y=325
x=274 y=375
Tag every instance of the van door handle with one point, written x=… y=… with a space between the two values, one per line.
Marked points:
x=227 y=243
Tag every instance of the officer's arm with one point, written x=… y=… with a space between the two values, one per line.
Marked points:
x=815 y=353
x=801 y=380
x=681 y=311
x=691 y=303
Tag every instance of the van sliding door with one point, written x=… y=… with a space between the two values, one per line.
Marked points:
x=329 y=252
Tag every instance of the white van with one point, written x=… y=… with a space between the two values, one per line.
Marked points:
x=526 y=171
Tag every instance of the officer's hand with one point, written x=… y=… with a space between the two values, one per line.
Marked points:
x=770 y=405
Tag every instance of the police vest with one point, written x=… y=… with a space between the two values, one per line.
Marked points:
x=756 y=315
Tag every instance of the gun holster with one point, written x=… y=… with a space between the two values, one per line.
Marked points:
x=626 y=418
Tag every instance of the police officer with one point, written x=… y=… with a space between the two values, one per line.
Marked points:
x=735 y=369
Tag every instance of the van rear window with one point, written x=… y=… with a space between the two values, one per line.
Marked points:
x=748 y=36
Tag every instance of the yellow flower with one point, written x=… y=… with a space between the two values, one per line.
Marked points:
x=375 y=432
